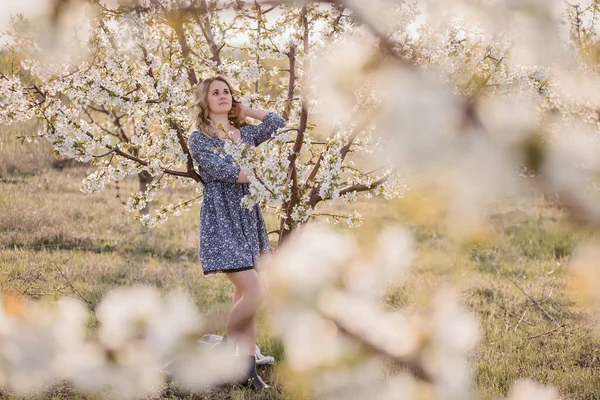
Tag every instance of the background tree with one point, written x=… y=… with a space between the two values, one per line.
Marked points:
x=123 y=102
x=476 y=91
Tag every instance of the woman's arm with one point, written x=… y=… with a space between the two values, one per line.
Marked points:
x=258 y=113
x=265 y=130
x=243 y=177
x=210 y=163
x=271 y=122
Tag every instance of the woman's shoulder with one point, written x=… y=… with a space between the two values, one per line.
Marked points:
x=274 y=119
x=198 y=140
x=197 y=134
x=199 y=137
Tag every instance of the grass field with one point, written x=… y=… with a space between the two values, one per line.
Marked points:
x=56 y=241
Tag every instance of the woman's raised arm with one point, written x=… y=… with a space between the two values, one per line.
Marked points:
x=271 y=122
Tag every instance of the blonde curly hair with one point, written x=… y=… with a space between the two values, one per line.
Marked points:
x=202 y=121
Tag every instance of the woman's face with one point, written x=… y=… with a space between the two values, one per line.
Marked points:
x=219 y=98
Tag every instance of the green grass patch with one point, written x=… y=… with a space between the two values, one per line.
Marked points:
x=56 y=241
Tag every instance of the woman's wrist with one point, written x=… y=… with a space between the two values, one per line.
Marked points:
x=243 y=177
x=257 y=113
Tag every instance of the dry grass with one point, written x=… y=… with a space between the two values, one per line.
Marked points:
x=49 y=230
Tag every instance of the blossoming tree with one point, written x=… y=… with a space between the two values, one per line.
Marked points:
x=123 y=102
x=482 y=89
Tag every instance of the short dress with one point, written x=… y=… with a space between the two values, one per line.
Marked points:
x=231 y=236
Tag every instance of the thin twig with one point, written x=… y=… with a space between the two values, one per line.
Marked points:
x=515 y=316
x=263 y=183
x=548 y=297
x=519 y=323
x=89 y=303
x=467 y=271
x=410 y=362
x=537 y=303
x=547 y=332
x=577 y=327
x=30 y=281
x=104 y=154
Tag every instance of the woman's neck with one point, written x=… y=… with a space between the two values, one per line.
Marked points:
x=217 y=119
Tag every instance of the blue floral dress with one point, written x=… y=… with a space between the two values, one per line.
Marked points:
x=231 y=236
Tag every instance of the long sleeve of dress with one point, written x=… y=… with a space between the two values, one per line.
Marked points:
x=265 y=130
x=211 y=164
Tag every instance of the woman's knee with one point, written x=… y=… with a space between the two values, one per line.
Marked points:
x=249 y=285
x=237 y=294
x=255 y=295
x=260 y=295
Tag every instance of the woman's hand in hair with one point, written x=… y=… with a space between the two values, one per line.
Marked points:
x=238 y=111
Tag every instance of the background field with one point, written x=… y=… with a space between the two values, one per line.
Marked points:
x=57 y=241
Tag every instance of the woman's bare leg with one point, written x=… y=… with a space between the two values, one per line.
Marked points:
x=249 y=334
x=248 y=297
x=236 y=295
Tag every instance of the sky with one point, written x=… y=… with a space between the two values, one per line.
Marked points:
x=29 y=8
x=36 y=8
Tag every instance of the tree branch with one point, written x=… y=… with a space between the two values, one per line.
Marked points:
x=337 y=21
x=384 y=41
x=408 y=362
x=314 y=197
x=89 y=303
x=258 y=29
x=291 y=82
x=317 y=166
x=292 y=174
x=177 y=25
x=138 y=160
x=96 y=123
x=126 y=98
x=359 y=187
x=537 y=303
x=183 y=143
x=204 y=22
x=362 y=187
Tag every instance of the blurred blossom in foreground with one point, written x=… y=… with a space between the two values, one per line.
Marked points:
x=392 y=257
x=324 y=328
x=526 y=389
x=367 y=380
x=308 y=264
x=483 y=90
x=343 y=344
x=337 y=85
x=140 y=313
x=200 y=366
x=584 y=273
x=36 y=341
x=127 y=373
x=419 y=116
x=29 y=8
x=424 y=128
x=142 y=336
x=59 y=32
x=572 y=161
x=422 y=125
x=453 y=335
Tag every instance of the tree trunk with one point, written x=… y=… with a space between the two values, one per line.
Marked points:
x=144 y=179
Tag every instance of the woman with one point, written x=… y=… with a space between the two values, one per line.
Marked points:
x=231 y=236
